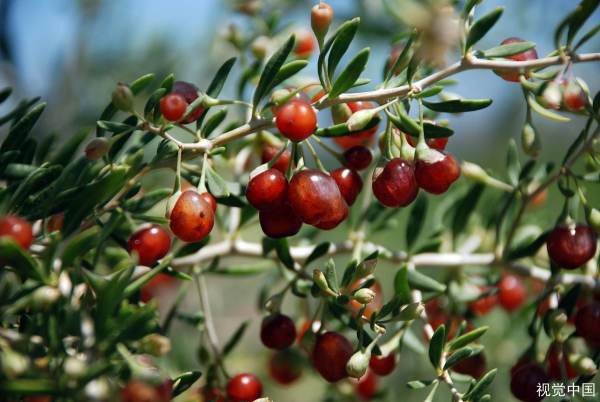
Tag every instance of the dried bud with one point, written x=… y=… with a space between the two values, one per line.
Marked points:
x=358 y=364
x=365 y=268
x=364 y=295
x=122 y=98
x=156 y=345
x=321 y=16
x=96 y=148
x=530 y=141
x=360 y=119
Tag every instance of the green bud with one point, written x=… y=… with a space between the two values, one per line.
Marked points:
x=321 y=282
x=365 y=268
x=552 y=95
x=96 y=148
x=122 y=98
x=364 y=295
x=530 y=141
x=44 y=297
x=360 y=119
x=13 y=364
x=358 y=364
x=474 y=172
x=260 y=47
x=281 y=96
x=592 y=215
x=411 y=312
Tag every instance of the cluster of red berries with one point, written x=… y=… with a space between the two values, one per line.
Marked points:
x=174 y=105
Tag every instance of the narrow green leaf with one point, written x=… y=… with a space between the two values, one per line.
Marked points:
x=282 y=248
x=436 y=346
x=288 y=70
x=5 y=93
x=67 y=151
x=20 y=130
x=482 y=26
x=408 y=126
x=35 y=181
x=216 y=85
x=184 y=381
x=469 y=4
x=331 y=275
x=581 y=14
x=148 y=201
x=401 y=286
x=321 y=66
x=458 y=356
x=422 y=282
x=249 y=269
x=481 y=385
x=420 y=384
x=507 y=50
x=350 y=74
x=467 y=338
x=341 y=130
x=216 y=184
x=513 y=166
x=271 y=69
x=458 y=105
x=235 y=338
x=416 y=221
x=340 y=45
x=465 y=208
x=542 y=111
x=529 y=249
x=319 y=251
x=213 y=122
x=12 y=254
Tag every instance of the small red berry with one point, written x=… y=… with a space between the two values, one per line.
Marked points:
x=525 y=380
x=282 y=162
x=358 y=157
x=555 y=365
x=435 y=143
x=366 y=388
x=395 y=185
x=305 y=44
x=279 y=221
x=157 y=285
x=483 y=305
x=267 y=188
x=349 y=182
x=173 y=106
x=285 y=367
x=296 y=120
x=244 y=388
x=513 y=75
x=574 y=98
x=190 y=93
x=210 y=199
x=330 y=355
x=18 y=229
x=165 y=390
x=436 y=171
x=383 y=365
x=191 y=218
x=587 y=322
x=150 y=243
x=55 y=222
x=571 y=246
x=511 y=292
x=364 y=137
x=474 y=366
x=321 y=16
x=277 y=331
x=138 y=391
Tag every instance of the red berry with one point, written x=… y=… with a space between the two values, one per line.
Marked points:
x=364 y=137
x=316 y=198
x=366 y=388
x=587 y=322
x=395 y=185
x=150 y=243
x=165 y=390
x=330 y=355
x=305 y=44
x=436 y=171
x=285 y=366
x=138 y=391
x=277 y=331
x=190 y=94
x=279 y=221
x=383 y=365
x=210 y=394
x=18 y=229
x=435 y=143
x=296 y=120
x=513 y=75
x=267 y=188
x=374 y=305
x=244 y=388
x=320 y=17
x=511 y=292
x=173 y=106
x=483 y=305
x=282 y=162
x=555 y=366
x=358 y=157
x=571 y=246
x=574 y=98
x=192 y=218
x=474 y=366
x=349 y=183
x=525 y=380
x=157 y=285
x=210 y=199
x=55 y=222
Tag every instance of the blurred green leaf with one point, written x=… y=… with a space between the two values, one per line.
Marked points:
x=509 y=49
x=482 y=26
x=235 y=338
x=436 y=346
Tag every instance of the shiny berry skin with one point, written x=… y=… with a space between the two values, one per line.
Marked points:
x=305 y=44
x=435 y=143
x=483 y=305
x=436 y=172
x=267 y=188
x=366 y=388
x=277 y=331
x=279 y=221
x=511 y=292
x=395 y=185
x=571 y=246
x=374 y=305
x=285 y=367
x=138 y=391
x=244 y=388
x=190 y=94
x=157 y=285
x=474 y=366
x=524 y=382
x=358 y=157
x=587 y=322
x=296 y=120
x=513 y=75
x=150 y=243
x=191 y=218
x=364 y=137
x=282 y=162
x=210 y=199
x=555 y=366
x=383 y=365
x=330 y=355
x=173 y=106
x=320 y=17
x=17 y=229
x=317 y=200
x=349 y=182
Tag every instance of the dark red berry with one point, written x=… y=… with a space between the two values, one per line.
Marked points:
x=244 y=388
x=556 y=365
x=191 y=218
x=190 y=93
x=330 y=355
x=587 y=322
x=210 y=199
x=349 y=183
x=138 y=391
x=305 y=44
x=435 y=143
x=173 y=106
x=525 y=380
x=571 y=246
x=165 y=390
x=285 y=367
x=396 y=184
x=279 y=221
x=296 y=120
x=282 y=162
x=364 y=137
x=159 y=284
x=316 y=198
x=277 y=331
x=150 y=243
x=210 y=394
x=483 y=305
x=358 y=157
x=474 y=366
x=366 y=388
x=513 y=75
x=511 y=292
x=436 y=171
x=17 y=229
x=383 y=365
x=267 y=189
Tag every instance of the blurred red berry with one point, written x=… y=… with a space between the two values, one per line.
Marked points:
x=475 y=366
x=587 y=322
x=349 y=182
x=525 y=381
x=483 y=305
x=513 y=75
x=511 y=292
x=556 y=365
x=358 y=157
x=383 y=365
x=244 y=388
x=366 y=388
x=330 y=355
x=278 y=331
x=285 y=367
x=17 y=229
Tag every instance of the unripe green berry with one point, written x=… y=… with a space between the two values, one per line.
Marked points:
x=122 y=98
x=530 y=141
x=360 y=119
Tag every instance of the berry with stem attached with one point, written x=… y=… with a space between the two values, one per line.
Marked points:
x=511 y=292
x=382 y=365
x=157 y=285
x=364 y=137
x=282 y=161
x=435 y=143
x=358 y=157
x=557 y=364
x=277 y=331
x=513 y=75
x=525 y=380
x=210 y=199
x=587 y=323
x=267 y=188
x=349 y=182
x=191 y=218
x=396 y=184
x=279 y=221
x=321 y=16
x=574 y=98
x=571 y=246
x=330 y=355
x=296 y=120
x=244 y=387
x=190 y=93
x=150 y=243
x=173 y=107
x=366 y=388
x=17 y=229
x=435 y=171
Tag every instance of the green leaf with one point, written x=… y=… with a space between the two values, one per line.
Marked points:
x=267 y=78
x=20 y=130
x=581 y=14
x=507 y=50
x=482 y=26
x=416 y=221
x=65 y=154
x=37 y=180
x=401 y=286
x=469 y=4
x=213 y=122
x=149 y=200
x=216 y=184
x=431 y=91
x=402 y=61
x=420 y=384
x=331 y=275
x=167 y=82
x=408 y=126
x=5 y=93
x=529 y=249
x=282 y=248
x=115 y=127
x=432 y=393
x=481 y=385
x=350 y=74
x=422 y=282
x=12 y=254
x=513 y=166
x=340 y=45
x=235 y=338
x=465 y=208
x=349 y=273
x=458 y=105
x=341 y=130
x=589 y=35
x=248 y=269
x=542 y=111
x=317 y=252
x=288 y=70
x=79 y=245
x=216 y=85
x=436 y=346
x=321 y=68
x=184 y=381
x=467 y=338
x=458 y=356
x=153 y=102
